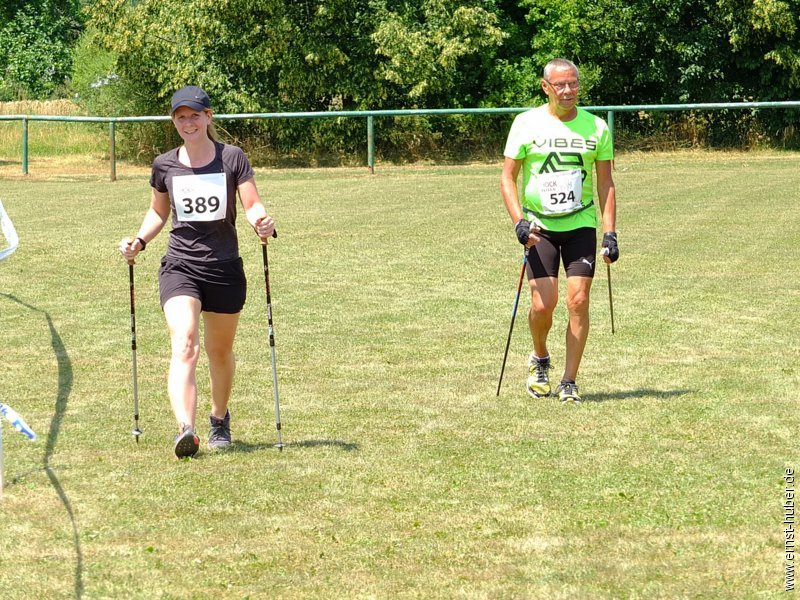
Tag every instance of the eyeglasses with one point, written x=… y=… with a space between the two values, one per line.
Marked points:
x=560 y=87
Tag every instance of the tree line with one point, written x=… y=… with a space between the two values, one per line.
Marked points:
x=126 y=57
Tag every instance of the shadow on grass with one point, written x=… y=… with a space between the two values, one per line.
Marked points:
x=340 y=444
x=637 y=395
x=62 y=396
x=246 y=447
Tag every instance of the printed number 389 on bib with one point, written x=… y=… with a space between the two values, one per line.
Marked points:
x=561 y=192
x=200 y=197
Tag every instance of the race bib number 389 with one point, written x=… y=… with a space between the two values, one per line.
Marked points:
x=560 y=192
x=200 y=197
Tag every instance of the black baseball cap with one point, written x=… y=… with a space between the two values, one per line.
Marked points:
x=191 y=96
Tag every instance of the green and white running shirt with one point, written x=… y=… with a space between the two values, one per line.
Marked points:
x=558 y=165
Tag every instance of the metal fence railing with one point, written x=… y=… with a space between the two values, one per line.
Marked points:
x=370 y=116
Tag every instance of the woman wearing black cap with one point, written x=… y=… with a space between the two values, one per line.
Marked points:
x=201 y=272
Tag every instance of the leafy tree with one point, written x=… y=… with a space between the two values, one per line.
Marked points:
x=36 y=47
x=269 y=56
x=250 y=55
x=673 y=51
x=764 y=36
x=318 y=55
x=436 y=51
x=9 y=9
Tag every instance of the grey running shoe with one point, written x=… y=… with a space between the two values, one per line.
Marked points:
x=538 y=384
x=220 y=435
x=186 y=443
x=568 y=393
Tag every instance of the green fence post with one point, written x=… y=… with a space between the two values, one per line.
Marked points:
x=611 y=131
x=371 y=144
x=24 y=146
x=112 y=150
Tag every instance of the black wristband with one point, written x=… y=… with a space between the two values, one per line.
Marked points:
x=523 y=230
x=142 y=242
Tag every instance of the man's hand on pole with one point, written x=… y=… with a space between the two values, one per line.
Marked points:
x=526 y=233
x=610 y=251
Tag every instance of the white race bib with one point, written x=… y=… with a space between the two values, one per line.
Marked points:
x=200 y=197
x=560 y=192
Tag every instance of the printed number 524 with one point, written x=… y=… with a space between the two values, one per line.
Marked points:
x=562 y=198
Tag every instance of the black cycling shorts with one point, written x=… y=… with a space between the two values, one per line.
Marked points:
x=576 y=249
x=221 y=287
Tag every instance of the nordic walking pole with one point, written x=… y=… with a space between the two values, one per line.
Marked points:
x=136 y=431
x=279 y=445
x=513 y=317
x=610 y=297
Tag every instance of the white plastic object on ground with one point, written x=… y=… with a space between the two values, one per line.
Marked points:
x=17 y=422
x=9 y=232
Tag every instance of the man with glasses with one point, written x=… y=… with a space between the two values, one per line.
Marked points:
x=558 y=147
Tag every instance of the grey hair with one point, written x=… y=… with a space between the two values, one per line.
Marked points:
x=560 y=63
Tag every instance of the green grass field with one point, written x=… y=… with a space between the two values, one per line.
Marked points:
x=403 y=475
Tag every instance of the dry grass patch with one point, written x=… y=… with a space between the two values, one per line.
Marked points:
x=41 y=107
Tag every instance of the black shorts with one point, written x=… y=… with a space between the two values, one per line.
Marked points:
x=221 y=287
x=576 y=249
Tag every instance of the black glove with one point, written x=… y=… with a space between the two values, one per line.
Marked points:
x=523 y=229
x=610 y=244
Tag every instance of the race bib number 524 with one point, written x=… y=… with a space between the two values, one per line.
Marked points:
x=561 y=192
x=200 y=197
